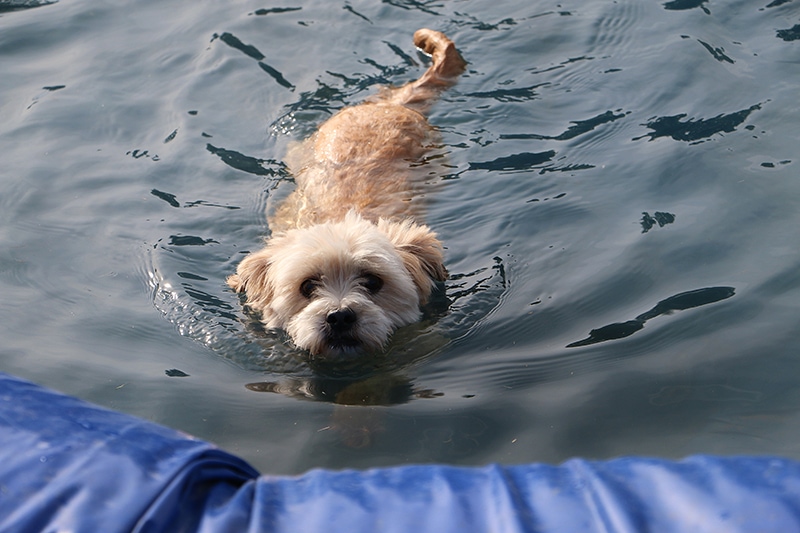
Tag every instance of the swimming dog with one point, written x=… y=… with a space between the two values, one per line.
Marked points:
x=350 y=260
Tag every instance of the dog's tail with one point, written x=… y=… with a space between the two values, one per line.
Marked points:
x=447 y=66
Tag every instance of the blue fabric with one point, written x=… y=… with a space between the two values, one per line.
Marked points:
x=66 y=465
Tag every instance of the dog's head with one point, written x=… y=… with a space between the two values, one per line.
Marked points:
x=342 y=287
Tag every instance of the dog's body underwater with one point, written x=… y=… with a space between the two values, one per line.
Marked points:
x=349 y=260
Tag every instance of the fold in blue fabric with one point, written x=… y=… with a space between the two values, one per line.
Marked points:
x=67 y=465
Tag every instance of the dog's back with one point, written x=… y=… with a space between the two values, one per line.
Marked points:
x=364 y=157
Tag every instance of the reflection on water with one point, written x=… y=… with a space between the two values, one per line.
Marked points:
x=679 y=302
x=697 y=130
x=595 y=158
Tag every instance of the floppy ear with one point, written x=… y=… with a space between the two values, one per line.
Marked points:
x=420 y=251
x=252 y=276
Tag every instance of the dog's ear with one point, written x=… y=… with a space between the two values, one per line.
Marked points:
x=421 y=252
x=252 y=276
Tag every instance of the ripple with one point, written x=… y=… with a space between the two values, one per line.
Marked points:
x=190 y=292
x=206 y=312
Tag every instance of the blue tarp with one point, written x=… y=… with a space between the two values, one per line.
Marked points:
x=66 y=465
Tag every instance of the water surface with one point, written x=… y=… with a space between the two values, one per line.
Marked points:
x=619 y=204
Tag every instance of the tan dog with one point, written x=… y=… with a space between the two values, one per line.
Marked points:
x=349 y=260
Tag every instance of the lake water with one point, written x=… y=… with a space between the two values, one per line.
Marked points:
x=620 y=205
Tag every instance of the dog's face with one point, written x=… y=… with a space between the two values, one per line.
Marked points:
x=343 y=287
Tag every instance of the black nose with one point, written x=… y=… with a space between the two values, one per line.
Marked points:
x=341 y=320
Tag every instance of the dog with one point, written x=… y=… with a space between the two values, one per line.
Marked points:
x=350 y=260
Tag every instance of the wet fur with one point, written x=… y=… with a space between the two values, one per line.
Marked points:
x=355 y=217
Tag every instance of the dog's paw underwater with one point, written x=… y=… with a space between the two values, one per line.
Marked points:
x=349 y=262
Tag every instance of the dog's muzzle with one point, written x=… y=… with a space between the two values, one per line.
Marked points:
x=341 y=320
x=340 y=325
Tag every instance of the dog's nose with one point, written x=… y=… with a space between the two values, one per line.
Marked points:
x=342 y=319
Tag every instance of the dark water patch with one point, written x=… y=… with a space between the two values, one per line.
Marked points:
x=688 y=300
x=407 y=59
x=695 y=130
x=276 y=75
x=171 y=199
x=275 y=10
x=718 y=53
x=520 y=94
x=577 y=59
x=658 y=218
x=472 y=296
x=347 y=7
x=578 y=127
x=618 y=330
x=253 y=52
x=480 y=280
x=210 y=302
x=792 y=34
x=189 y=240
x=556 y=197
x=777 y=3
x=479 y=25
x=139 y=154
x=248 y=164
x=189 y=275
x=325 y=97
x=7 y=6
x=679 y=302
x=416 y=5
x=328 y=98
x=367 y=81
x=770 y=164
x=175 y=373
x=565 y=168
x=234 y=42
x=203 y=203
x=521 y=161
x=386 y=72
x=561 y=65
x=680 y=5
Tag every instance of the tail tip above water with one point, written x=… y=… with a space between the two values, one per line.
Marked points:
x=447 y=61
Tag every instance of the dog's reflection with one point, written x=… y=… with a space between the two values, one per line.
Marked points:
x=357 y=416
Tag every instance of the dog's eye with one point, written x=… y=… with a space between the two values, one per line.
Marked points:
x=372 y=283
x=308 y=287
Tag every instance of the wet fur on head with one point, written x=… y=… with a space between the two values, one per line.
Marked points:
x=380 y=272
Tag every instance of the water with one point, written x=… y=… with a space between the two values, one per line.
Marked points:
x=619 y=206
